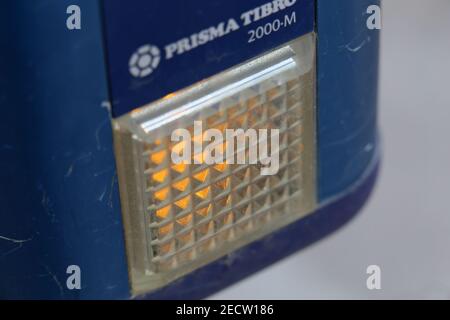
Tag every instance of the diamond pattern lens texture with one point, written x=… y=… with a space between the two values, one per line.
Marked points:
x=181 y=217
x=197 y=209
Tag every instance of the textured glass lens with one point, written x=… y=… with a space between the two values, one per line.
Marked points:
x=179 y=216
x=197 y=208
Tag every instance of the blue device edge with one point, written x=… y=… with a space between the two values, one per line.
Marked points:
x=262 y=253
x=59 y=193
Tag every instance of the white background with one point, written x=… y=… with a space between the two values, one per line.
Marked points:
x=405 y=228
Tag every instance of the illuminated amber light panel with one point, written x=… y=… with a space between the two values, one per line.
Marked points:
x=195 y=209
x=180 y=217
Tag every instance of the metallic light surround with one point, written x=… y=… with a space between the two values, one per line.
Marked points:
x=179 y=217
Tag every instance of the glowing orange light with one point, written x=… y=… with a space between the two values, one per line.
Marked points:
x=165 y=230
x=184 y=221
x=169 y=96
x=220 y=167
x=182 y=184
x=161 y=195
x=163 y=212
x=201 y=176
x=183 y=203
x=160 y=176
x=204 y=211
x=203 y=194
x=158 y=157
x=179 y=167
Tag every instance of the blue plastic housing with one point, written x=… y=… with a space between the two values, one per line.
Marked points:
x=59 y=199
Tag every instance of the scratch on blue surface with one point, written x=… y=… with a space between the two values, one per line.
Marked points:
x=97 y=132
x=82 y=158
x=358 y=47
x=47 y=204
x=19 y=242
